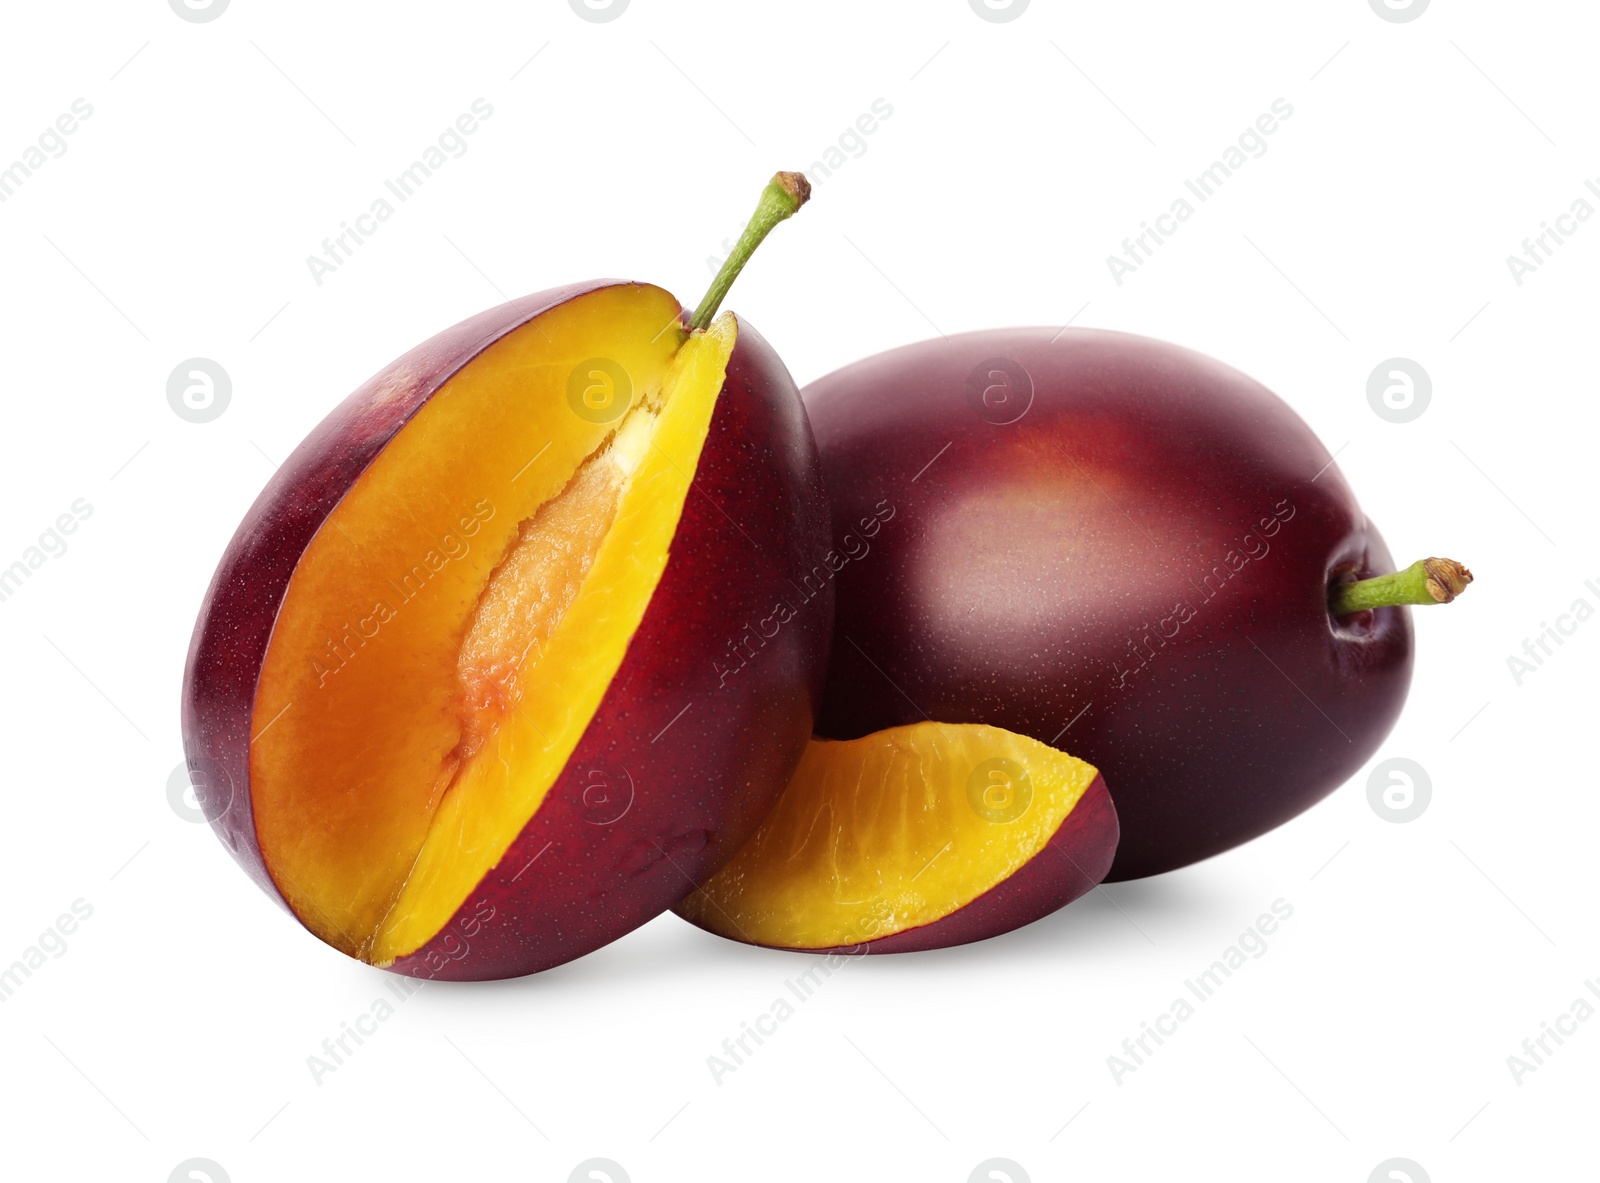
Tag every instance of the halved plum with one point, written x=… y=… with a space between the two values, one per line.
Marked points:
x=916 y=837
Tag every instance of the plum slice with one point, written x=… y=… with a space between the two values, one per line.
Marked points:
x=916 y=837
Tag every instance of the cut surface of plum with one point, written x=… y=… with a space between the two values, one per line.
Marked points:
x=891 y=835
x=452 y=628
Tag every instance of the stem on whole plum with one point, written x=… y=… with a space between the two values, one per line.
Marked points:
x=1427 y=581
x=784 y=194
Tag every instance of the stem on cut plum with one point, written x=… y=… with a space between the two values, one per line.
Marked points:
x=784 y=194
x=1427 y=581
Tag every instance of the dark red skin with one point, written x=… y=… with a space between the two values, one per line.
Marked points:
x=1135 y=470
x=1071 y=864
x=578 y=876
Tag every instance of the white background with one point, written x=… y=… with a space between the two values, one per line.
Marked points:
x=179 y=1020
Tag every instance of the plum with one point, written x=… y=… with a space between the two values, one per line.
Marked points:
x=911 y=838
x=454 y=697
x=1120 y=546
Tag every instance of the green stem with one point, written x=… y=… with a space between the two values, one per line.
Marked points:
x=1427 y=581
x=784 y=194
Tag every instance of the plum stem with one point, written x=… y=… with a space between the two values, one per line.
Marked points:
x=1427 y=581
x=784 y=194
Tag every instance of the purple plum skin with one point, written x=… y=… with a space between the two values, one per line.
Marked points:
x=1116 y=546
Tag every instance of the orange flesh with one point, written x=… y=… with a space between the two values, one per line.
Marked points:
x=450 y=631
x=890 y=832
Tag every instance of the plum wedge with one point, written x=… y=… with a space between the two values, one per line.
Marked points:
x=916 y=837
